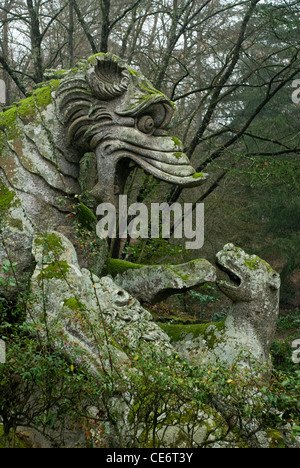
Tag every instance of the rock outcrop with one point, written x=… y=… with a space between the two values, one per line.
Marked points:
x=153 y=284
x=90 y=319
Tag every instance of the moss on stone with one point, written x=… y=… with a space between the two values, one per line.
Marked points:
x=26 y=110
x=276 y=439
x=73 y=304
x=19 y=443
x=114 y=267
x=177 y=142
x=149 y=88
x=178 y=155
x=180 y=332
x=86 y=217
x=93 y=58
x=177 y=271
x=8 y=124
x=198 y=175
x=16 y=223
x=6 y=198
x=253 y=263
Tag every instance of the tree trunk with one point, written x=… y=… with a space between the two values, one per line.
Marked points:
x=36 y=41
x=71 y=35
x=84 y=26
x=105 y=30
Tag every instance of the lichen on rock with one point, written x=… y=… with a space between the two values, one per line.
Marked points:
x=153 y=284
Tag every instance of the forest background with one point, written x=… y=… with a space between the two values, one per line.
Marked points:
x=233 y=70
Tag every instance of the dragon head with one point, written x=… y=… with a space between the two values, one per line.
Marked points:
x=248 y=275
x=110 y=109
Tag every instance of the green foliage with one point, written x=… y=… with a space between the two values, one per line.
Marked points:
x=33 y=369
x=56 y=270
x=290 y=320
x=50 y=243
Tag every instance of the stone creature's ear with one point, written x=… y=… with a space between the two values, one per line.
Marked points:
x=274 y=280
x=107 y=78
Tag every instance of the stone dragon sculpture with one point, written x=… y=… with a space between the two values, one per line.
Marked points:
x=249 y=328
x=103 y=106
x=253 y=287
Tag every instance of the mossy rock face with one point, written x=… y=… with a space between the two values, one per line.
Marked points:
x=276 y=439
x=210 y=332
x=115 y=267
x=154 y=283
x=26 y=110
x=86 y=217
x=6 y=198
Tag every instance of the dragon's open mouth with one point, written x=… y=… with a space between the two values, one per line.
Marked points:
x=232 y=279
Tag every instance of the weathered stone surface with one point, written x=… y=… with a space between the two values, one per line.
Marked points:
x=155 y=283
x=74 y=307
x=251 y=323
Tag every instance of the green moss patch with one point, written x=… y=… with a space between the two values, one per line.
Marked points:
x=74 y=304
x=276 y=439
x=18 y=442
x=6 y=198
x=86 y=217
x=177 y=142
x=180 y=332
x=26 y=110
x=114 y=267
x=198 y=175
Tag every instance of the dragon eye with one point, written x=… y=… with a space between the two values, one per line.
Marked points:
x=146 y=124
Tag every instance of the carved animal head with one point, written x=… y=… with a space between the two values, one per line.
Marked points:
x=116 y=112
x=249 y=276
